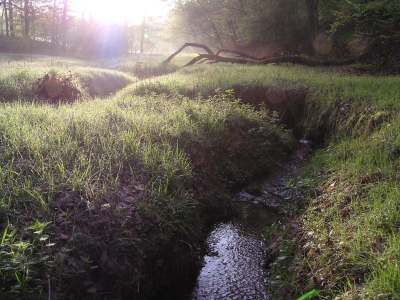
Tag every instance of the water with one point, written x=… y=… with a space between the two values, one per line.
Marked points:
x=235 y=252
x=232 y=267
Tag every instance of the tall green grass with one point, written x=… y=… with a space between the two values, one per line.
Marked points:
x=350 y=229
x=117 y=181
x=382 y=92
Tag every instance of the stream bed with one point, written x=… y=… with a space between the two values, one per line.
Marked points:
x=235 y=250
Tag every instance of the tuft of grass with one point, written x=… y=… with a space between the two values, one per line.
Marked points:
x=336 y=105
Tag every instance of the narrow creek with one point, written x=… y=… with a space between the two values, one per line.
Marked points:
x=235 y=252
x=232 y=267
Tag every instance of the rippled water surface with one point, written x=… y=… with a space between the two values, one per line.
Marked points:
x=235 y=252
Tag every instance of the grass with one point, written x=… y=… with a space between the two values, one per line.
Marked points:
x=108 y=192
x=144 y=66
x=205 y=79
x=336 y=105
x=114 y=185
x=348 y=235
x=19 y=75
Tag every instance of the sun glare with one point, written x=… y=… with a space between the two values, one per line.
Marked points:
x=120 y=10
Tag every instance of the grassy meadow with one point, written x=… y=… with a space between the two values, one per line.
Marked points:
x=103 y=196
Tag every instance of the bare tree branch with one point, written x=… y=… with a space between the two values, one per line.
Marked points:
x=243 y=58
x=207 y=49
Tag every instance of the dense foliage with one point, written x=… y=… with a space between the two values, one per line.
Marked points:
x=324 y=28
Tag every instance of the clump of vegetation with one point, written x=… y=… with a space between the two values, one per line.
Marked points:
x=54 y=87
x=102 y=82
x=26 y=78
x=345 y=241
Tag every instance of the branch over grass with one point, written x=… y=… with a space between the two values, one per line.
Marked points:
x=243 y=58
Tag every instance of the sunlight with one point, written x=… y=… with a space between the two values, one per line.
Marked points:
x=120 y=10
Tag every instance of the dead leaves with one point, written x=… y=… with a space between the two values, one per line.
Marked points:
x=328 y=250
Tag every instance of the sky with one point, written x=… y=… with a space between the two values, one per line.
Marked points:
x=120 y=10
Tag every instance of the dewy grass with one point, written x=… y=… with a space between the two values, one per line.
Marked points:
x=121 y=174
x=120 y=179
x=348 y=243
x=205 y=79
x=19 y=77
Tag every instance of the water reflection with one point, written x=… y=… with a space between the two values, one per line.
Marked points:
x=233 y=264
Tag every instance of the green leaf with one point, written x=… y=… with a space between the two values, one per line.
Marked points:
x=310 y=295
x=4 y=236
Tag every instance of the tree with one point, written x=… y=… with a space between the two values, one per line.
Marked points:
x=26 y=18
x=64 y=24
x=4 y=2
x=11 y=17
x=375 y=25
x=313 y=22
x=142 y=35
x=54 y=27
x=204 y=21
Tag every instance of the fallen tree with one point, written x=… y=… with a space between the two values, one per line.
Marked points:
x=243 y=58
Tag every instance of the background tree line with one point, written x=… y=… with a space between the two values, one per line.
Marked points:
x=323 y=28
x=56 y=22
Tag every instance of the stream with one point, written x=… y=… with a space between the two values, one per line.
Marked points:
x=232 y=267
x=235 y=252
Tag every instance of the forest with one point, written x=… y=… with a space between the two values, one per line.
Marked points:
x=366 y=30
x=200 y=149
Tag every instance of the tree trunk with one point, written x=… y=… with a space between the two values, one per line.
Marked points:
x=64 y=25
x=243 y=58
x=2 y=26
x=232 y=30
x=54 y=25
x=11 y=17
x=313 y=22
x=6 y=17
x=142 y=35
x=26 y=17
